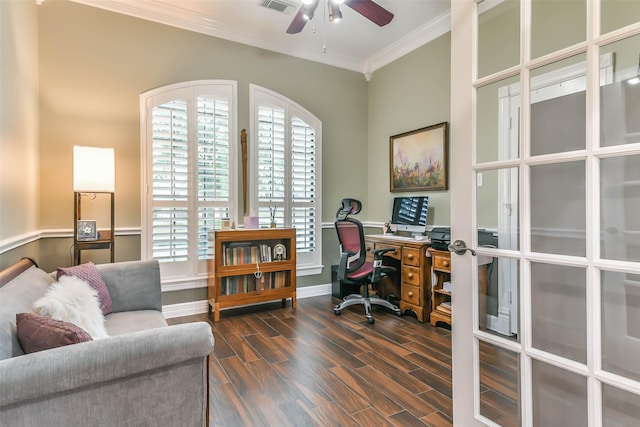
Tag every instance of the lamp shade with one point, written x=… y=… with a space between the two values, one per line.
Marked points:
x=94 y=169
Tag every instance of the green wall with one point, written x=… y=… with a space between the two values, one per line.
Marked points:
x=409 y=93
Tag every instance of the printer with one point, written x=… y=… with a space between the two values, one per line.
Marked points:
x=441 y=237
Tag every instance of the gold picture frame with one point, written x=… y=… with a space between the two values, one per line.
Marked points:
x=419 y=159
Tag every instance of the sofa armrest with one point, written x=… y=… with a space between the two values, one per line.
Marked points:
x=133 y=285
x=62 y=369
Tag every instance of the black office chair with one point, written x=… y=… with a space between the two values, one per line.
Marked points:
x=354 y=269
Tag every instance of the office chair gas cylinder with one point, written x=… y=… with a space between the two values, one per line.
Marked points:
x=354 y=269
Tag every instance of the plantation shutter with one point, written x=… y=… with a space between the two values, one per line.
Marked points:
x=170 y=166
x=214 y=169
x=272 y=168
x=303 y=184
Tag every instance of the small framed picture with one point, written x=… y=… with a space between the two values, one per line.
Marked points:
x=87 y=230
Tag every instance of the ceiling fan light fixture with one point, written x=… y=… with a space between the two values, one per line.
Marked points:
x=307 y=13
x=335 y=15
x=309 y=9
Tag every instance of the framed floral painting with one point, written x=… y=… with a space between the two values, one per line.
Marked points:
x=419 y=159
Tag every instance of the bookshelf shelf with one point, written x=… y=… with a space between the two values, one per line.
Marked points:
x=441 y=301
x=250 y=267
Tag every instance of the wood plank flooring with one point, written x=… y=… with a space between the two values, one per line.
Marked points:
x=275 y=366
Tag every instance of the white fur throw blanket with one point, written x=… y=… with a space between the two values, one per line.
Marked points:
x=73 y=300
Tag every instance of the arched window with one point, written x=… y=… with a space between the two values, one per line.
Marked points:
x=285 y=155
x=188 y=162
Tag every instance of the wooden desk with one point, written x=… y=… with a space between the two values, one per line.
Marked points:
x=414 y=267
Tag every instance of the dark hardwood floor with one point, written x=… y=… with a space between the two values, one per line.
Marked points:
x=275 y=366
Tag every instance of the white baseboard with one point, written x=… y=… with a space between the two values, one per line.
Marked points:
x=201 y=307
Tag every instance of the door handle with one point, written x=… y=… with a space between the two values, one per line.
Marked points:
x=459 y=247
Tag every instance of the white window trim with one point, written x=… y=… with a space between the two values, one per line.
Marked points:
x=307 y=264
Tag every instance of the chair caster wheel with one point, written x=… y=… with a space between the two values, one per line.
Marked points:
x=399 y=313
x=337 y=312
x=371 y=320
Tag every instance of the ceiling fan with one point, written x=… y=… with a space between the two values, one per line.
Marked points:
x=367 y=8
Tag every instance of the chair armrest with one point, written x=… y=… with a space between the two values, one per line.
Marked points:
x=59 y=370
x=378 y=271
x=342 y=266
x=133 y=285
x=378 y=253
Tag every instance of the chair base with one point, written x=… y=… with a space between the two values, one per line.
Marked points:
x=367 y=301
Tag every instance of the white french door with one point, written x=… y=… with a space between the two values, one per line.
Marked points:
x=545 y=153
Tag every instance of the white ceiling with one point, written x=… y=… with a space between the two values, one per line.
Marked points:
x=355 y=43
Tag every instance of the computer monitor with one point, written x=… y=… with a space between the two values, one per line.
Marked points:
x=410 y=214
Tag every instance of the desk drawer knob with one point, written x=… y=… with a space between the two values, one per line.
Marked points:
x=445 y=263
x=410 y=294
x=410 y=275
x=410 y=256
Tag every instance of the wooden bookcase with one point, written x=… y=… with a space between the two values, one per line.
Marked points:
x=441 y=299
x=245 y=268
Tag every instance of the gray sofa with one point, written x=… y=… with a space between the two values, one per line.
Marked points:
x=145 y=374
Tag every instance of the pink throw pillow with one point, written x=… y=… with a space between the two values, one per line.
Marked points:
x=37 y=333
x=90 y=273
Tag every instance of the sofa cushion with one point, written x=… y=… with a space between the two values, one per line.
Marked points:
x=37 y=333
x=73 y=300
x=15 y=297
x=133 y=321
x=90 y=273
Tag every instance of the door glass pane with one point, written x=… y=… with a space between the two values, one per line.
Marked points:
x=556 y=25
x=558 y=208
x=559 y=396
x=498 y=105
x=618 y=13
x=498 y=291
x=559 y=317
x=497 y=206
x=619 y=407
x=620 y=293
x=619 y=207
x=620 y=98
x=499 y=385
x=498 y=36
x=558 y=106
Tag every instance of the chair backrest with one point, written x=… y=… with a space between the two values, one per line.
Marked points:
x=351 y=234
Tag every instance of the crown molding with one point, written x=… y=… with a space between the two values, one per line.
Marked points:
x=423 y=35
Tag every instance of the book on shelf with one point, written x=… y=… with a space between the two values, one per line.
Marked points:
x=249 y=283
x=446 y=286
x=445 y=307
x=245 y=253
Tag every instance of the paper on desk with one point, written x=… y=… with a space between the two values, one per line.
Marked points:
x=446 y=286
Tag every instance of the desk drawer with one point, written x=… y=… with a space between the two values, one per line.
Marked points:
x=396 y=253
x=411 y=294
x=442 y=263
x=411 y=257
x=410 y=275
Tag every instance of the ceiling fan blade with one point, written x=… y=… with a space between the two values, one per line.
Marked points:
x=298 y=23
x=371 y=10
x=300 y=20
